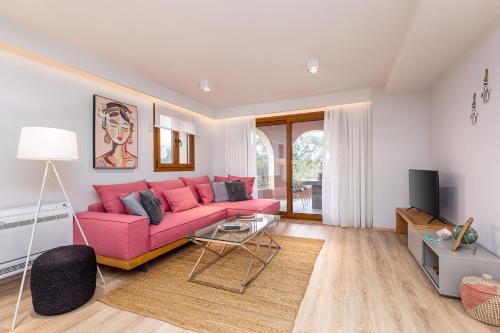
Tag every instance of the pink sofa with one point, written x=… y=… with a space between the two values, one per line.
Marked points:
x=127 y=241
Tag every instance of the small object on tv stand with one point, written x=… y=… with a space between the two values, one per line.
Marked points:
x=458 y=239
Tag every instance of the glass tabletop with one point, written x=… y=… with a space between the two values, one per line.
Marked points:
x=214 y=232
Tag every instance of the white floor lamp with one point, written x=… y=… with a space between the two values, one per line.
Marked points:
x=49 y=145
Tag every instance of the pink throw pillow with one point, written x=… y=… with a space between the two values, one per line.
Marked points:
x=181 y=199
x=191 y=182
x=206 y=193
x=165 y=185
x=219 y=179
x=248 y=183
x=110 y=195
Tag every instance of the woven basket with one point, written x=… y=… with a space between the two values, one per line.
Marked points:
x=481 y=298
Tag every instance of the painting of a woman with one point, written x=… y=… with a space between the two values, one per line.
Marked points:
x=115 y=134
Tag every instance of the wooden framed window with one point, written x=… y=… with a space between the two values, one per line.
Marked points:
x=173 y=150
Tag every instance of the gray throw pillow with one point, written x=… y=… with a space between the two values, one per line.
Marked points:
x=236 y=191
x=152 y=205
x=133 y=204
x=220 y=191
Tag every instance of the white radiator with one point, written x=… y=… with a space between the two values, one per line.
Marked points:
x=54 y=228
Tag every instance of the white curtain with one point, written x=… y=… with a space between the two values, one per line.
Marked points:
x=347 y=166
x=240 y=154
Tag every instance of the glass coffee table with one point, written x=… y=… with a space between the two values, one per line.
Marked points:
x=255 y=237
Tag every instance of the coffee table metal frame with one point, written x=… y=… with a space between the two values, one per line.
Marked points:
x=247 y=245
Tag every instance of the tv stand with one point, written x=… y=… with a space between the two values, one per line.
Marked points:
x=434 y=218
x=444 y=267
x=420 y=220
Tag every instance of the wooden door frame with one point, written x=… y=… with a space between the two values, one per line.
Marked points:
x=288 y=120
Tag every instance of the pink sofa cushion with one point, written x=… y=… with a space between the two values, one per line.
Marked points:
x=117 y=236
x=248 y=183
x=175 y=226
x=110 y=195
x=165 y=185
x=220 y=179
x=205 y=192
x=181 y=199
x=190 y=182
x=265 y=206
x=96 y=207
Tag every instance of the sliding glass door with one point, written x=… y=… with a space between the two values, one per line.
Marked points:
x=271 y=166
x=289 y=161
x=307 y=151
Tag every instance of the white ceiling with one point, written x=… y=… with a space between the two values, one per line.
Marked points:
x=256 y=51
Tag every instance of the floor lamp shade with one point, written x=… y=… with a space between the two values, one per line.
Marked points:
x=47 y=144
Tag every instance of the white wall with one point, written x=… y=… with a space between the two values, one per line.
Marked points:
x=400 y=142
x=337 y=98
x=34 y=94
x=468 y=157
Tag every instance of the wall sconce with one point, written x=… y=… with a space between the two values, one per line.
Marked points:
x=485 y=95
x=474 y=114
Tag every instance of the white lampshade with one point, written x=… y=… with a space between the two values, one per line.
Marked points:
x=43 y=143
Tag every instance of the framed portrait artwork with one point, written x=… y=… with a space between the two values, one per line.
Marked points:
x=115 y=134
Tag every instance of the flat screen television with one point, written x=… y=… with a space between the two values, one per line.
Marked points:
x=424 y=191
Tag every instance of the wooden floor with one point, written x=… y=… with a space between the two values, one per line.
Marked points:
x=363 y=281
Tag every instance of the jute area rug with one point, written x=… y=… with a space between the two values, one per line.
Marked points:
x=270 y=303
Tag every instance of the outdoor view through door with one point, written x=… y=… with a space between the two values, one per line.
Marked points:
x=271 y=166
x=307 y=151
x=289 y=162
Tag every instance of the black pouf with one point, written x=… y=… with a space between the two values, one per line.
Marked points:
x=62 y=279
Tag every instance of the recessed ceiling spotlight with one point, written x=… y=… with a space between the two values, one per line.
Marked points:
x=313 y=65
x=205 y=86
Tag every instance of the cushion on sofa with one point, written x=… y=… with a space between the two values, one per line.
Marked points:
x=110 y=195
x=152 y=205
x=236 y=191
x=181 y=199
x=190 y=182
x=220 y=191
x=96 y=207
x=165 y=185
x=132 y=202
x=175 y=226
x=248 y=182
x=219 y=179
x=265 y=206
x=205 y=192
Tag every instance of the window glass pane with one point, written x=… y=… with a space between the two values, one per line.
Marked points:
x=307 y=151
x=271 y=166
x=166 y=156
x=184 y=148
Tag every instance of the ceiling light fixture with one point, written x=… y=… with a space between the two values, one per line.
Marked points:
x=205 y=86
x=313 y=65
